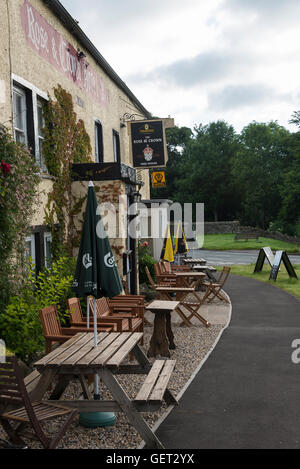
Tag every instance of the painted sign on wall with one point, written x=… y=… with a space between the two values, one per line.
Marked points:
x=53 y=47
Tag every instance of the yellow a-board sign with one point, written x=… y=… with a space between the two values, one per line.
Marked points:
x=158 y=179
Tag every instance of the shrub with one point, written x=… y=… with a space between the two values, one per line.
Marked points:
x=145 y=259
x=20 y=324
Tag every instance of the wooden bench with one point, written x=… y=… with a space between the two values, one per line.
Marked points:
x=154 y=389
x=246 y=236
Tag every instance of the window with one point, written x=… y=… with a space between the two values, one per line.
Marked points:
x=47 y=249
x=116 y=147
x=40 y=137
x=28 y=117
x=30 y=249
x=99 y=142
x=20 y=115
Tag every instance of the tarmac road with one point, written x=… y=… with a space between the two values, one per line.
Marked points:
x=232 y=257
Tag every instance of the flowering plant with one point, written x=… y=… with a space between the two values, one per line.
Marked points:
x=18 y=192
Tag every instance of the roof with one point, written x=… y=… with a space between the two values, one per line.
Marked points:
x=73 y=27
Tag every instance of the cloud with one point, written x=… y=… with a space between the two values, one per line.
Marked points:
x=208 y=67
x=239 y=96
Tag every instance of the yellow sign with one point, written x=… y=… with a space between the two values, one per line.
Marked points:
x=158 y=179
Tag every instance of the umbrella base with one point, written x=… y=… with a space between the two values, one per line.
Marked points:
x=97 y=419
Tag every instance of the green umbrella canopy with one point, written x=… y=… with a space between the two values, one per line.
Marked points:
x=96 y=271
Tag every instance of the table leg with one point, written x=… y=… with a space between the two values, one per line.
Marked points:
x=129 y=409
x=169 y=332
x=159 y=342
x=60 y=387
x=43 y=385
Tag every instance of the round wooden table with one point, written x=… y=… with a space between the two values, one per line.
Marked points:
x=162 y=340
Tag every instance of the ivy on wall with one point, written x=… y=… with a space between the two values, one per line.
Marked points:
x=19 y=181
x=66 y=141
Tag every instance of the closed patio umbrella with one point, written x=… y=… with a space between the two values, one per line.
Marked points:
x=96 y=271
x=167 y=249
x=181 y=246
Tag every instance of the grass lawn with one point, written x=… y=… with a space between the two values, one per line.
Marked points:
x=221 y=242
x=291 y=285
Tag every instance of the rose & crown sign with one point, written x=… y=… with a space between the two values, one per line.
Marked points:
x=148 y=143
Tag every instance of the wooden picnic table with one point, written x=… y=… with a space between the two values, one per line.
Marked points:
x=189 y=279
x=78 y=357
x=207 y=269
x=162 y=340
x=191 y=261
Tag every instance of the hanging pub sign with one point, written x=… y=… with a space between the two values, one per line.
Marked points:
x=148 y=143
x=158 y=178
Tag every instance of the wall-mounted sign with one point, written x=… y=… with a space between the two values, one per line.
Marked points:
x=148 y=143
x=158 y=179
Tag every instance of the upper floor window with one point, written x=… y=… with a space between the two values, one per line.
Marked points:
x=99 y=142
x=116 y=147
x=40 y=137
x=20 y=115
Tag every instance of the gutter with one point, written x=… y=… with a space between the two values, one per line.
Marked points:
x=73 y=27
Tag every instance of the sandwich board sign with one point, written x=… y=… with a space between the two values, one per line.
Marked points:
x=264 y=253
x=281 y=256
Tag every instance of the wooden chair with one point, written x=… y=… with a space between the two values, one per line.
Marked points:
x=53 y=332
x=129 y=314
x=164 y=278
x=171 y=268
x=136 y=300
x=77 y=318
x=13 y=393
x=214 y=289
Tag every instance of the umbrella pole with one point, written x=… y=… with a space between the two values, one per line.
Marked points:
x=95 y=345
x=87 y=312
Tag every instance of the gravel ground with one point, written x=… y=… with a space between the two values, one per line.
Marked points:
x=193 y=344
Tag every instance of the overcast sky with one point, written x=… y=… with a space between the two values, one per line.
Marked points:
x=201 y=60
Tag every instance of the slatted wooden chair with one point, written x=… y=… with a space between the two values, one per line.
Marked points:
x=53 y=332
x=171 y=268
x=129 y=314
x=163 y=278
x=13 y=393
x=136 y=300
x=214 y=289
x=77 y=318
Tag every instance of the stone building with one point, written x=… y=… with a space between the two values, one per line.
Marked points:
x=43 y=46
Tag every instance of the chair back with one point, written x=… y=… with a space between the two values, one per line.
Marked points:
x=74 y=307
x=223 y=275
x=102 y=307
x=12 y=387
x=151 y=281
x=165 y=267
x=50 y=321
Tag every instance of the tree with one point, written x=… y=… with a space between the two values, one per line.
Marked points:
x=258 y=170
x=206 y=170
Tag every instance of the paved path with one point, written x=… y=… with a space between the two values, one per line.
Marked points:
x=232 y=257
x=246 y=395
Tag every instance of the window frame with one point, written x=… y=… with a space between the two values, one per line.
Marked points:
x=99 y=145
x=47 y=236
x=21 y=93
x=116 y=147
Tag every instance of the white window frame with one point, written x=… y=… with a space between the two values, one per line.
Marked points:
x=115 y=148
x=39 y=157
x=37 y=94
x=47 y=237
x=21 y=93
x=97 y=121
x=31 y=239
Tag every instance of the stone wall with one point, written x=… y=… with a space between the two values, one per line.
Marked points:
x=225 y=227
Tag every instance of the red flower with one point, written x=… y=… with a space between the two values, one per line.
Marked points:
x=145 y=244
x=5 y=167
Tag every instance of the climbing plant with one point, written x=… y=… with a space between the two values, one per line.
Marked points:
x=66 y=141
x=18 y=195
